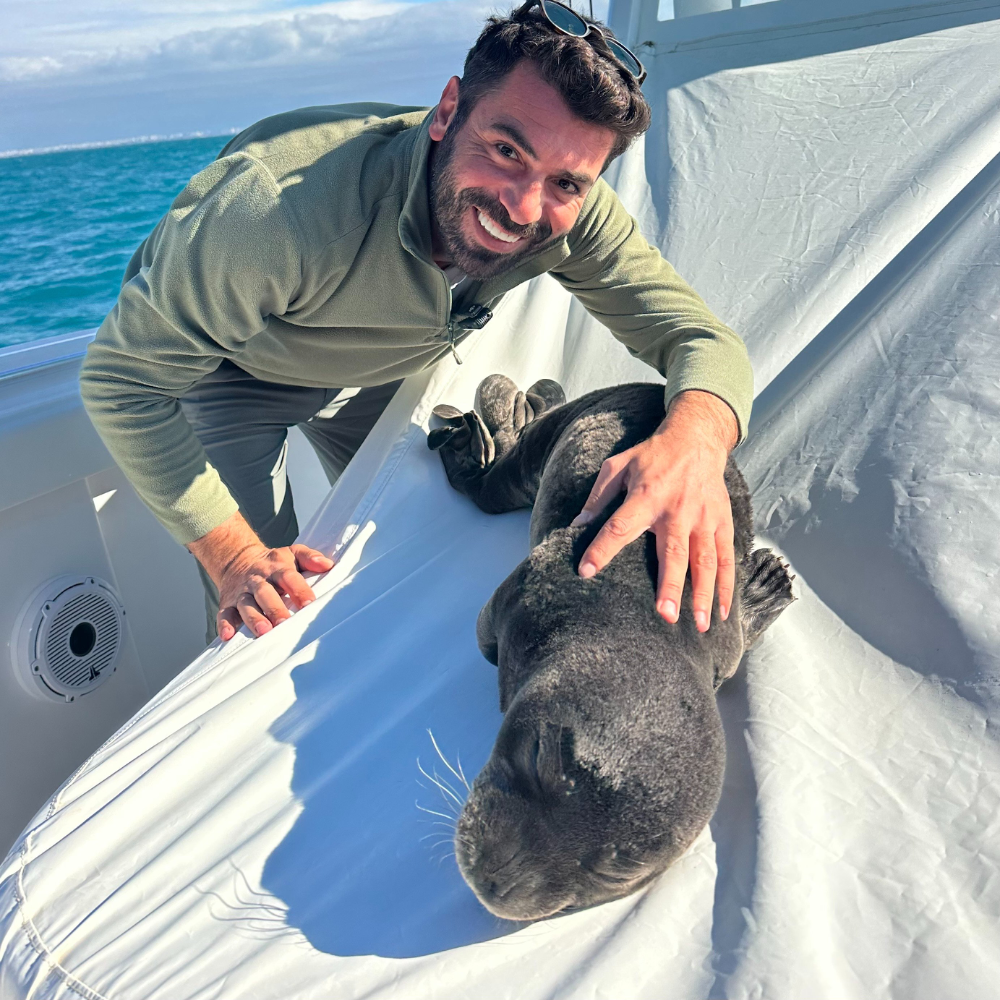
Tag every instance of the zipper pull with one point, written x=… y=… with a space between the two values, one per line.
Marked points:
x=451 y=341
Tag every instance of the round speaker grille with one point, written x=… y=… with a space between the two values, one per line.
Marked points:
x=72 y=634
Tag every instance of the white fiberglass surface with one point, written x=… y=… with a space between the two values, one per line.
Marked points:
x=259 y=830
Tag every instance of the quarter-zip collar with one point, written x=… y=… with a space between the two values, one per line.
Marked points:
x=415 y=218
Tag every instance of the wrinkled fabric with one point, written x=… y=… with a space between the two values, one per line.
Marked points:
x=264 y=829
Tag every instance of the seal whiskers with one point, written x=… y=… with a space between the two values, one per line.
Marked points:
x=460 y=774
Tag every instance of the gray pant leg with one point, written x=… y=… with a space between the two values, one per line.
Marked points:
x=242 y=422
x=338 y=430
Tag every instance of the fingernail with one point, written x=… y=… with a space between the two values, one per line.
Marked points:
x=308 y=600
x=587 y=570
x=584 y=517
x=723 y=612
x=669 y=610
x=262 y=627
x=701 y=620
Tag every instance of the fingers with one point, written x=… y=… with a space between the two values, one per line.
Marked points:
x=252 y=591
x=704 y=566
x=291 y=583
x=610 y=481
x=623 y=527
x=713 y=568
x=311 y=560
x=227 y=623
x=672 y=549
x=262 y=609
x=727 y=566
x=679 y=493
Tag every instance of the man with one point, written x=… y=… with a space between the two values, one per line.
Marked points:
x=351 y=246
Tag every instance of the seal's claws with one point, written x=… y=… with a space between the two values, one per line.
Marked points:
x=437 y=437
x=481 y=443
x=523 y=413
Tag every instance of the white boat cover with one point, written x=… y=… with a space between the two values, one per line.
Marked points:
x=262 y=830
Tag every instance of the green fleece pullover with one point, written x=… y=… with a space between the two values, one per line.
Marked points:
x=303 y=254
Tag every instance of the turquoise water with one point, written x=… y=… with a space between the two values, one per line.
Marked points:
x=70 y=221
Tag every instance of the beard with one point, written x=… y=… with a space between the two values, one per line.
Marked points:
x=450 y=206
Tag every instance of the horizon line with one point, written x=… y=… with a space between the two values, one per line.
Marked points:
x=138 y=140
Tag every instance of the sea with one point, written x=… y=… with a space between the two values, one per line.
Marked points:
x=71 y=219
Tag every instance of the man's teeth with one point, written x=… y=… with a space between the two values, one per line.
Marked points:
x=495 y=231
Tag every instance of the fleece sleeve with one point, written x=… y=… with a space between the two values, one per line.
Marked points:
x=625 y=283
x=217 y=265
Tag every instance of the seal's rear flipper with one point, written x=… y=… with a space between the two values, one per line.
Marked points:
x=544 y=395
x=766 y=593
x=506 y=410
x=495 y=456
x=466 y=446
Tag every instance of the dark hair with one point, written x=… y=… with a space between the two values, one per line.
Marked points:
x=593 y=85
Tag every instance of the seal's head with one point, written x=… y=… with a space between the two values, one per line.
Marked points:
x=576 y=807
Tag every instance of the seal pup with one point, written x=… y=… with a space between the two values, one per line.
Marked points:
x=610 y=758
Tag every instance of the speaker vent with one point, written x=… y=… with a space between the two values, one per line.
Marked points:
x=71 y=634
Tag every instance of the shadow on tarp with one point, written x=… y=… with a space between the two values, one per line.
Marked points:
x=364 y=870
x=845 y=549
x=734 y=831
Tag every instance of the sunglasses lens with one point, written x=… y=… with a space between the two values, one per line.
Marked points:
x=625 y=57
x=564 y=19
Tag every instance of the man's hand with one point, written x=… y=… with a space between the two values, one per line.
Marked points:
x=675 y=488
x=252 y=578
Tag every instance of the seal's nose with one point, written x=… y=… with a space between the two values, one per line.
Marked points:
x=524 y=898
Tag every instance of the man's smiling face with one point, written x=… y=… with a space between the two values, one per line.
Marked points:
x=514 y=175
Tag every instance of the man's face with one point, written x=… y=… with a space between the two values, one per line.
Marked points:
x=513 y=177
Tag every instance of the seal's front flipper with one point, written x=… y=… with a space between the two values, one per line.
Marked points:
x=466 y=446
x=497 y=613
x=486 y=634
x=767 y=591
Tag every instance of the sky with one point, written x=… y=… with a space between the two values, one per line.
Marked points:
x=76 y=72
x=82 y=71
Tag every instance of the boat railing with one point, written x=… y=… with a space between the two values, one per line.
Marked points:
x=35 y=355
x=700 y=24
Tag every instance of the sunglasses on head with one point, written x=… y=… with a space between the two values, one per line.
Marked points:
x=566 y=20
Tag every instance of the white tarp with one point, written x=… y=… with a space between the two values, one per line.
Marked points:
x=255 y=831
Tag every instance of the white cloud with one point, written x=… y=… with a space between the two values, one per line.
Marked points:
x=84 y=71
x=214 y=79
x=240 y=38
x=56 y=27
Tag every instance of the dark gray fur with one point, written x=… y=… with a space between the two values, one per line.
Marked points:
x=610 y=758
